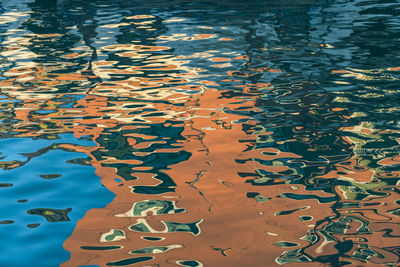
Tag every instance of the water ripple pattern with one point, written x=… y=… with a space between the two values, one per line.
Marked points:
x=192 y=133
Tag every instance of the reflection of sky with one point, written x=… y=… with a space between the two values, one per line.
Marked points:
x=333 y=30
x=22 y=146
x=77 y=188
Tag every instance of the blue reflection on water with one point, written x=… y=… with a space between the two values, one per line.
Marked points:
x=77 y=188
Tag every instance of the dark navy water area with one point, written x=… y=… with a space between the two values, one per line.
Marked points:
x=199 y=133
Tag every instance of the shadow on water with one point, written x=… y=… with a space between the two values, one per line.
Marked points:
x=230 y=133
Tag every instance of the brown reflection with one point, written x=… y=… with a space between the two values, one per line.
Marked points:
x=235 y=229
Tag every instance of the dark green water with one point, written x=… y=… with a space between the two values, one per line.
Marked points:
x=92 y=87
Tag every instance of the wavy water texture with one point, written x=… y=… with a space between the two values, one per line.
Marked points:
x=199 y=134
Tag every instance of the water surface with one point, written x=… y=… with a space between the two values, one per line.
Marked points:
x=227 y=133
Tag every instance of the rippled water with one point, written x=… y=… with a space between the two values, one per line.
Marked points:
x=193 y=133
